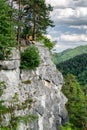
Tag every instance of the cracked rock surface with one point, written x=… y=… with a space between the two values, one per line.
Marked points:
x=43 y=86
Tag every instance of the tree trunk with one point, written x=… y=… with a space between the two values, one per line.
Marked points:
x=19 y=20
x=34 y=28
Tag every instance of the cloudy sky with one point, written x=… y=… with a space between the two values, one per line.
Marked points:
x=70 y=19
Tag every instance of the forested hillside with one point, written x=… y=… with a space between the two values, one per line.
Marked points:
x=76 y=66
x=75 y=88
x=69 y=53
x=76 y=105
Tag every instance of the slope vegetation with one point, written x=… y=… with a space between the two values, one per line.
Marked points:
x=69 y=53
x=76 y=66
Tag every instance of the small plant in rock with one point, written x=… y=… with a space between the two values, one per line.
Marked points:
x=3 y=108
x=2 y=86
x=47 y=42
x=30 y=58
x=14 y=121
x=68 y=126
x=5 y=53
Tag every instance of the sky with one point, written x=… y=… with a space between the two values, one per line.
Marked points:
x=70 y=20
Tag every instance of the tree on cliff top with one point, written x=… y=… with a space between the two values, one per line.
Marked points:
x=35 y=17
x=7 y=32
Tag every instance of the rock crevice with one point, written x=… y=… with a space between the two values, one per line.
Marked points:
x=42 y=86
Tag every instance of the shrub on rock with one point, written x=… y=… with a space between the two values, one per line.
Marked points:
x=30 y=58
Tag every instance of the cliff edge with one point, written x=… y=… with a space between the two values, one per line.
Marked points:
x=36 y=92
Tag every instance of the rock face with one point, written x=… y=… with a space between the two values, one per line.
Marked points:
x=39 y=90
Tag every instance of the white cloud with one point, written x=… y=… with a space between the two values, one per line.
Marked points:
x=61 y=3
x=67 y=3
x=69 y=16
x=79 y=27
x=62 y=13
x=74 y=38
x=82 y=11
x=80 y=3
x=62 y=46
x=69 y=13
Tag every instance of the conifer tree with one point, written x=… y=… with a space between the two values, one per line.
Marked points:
x=77 y=103
x=18 y=17
x=7 y=31
x=36 y=17
x=33 y=18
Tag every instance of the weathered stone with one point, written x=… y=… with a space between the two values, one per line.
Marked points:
x=9 y=65
x=15 y=54
x=43 y=87
x=13 y=62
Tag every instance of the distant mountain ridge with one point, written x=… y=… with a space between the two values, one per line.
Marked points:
x=76 y=66
x=69 y=53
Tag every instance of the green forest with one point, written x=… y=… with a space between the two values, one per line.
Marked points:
x=76 y=66
x=74 y=71
x=76 y=105
x=69 y=53
x=20 y=19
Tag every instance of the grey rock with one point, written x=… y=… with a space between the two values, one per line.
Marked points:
x=13 y=62
x=9 y=65
x=44 y=90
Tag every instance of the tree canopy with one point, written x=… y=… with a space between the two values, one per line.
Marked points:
x=78 y=67
x=35 y=17
x=77 y=103
x=7 y=32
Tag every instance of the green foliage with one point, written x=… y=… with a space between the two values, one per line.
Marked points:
x=27 y=118
x=1 y=53
x=27 y=82
x=77 y=99
x=37 y=18
x=76 y=66
x=77 y=103
x=30 y=58
x=2 y=85
x=82 y=77
x=68 y=126
x=47 y=42
x=15 y=120
x=4 y=128
x=68 y=54
x=7 y=35
x=3 y=108
x=5 y=53
x=7 y=31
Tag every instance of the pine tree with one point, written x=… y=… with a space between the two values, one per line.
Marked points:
x=18 y=19
x=7 y=31
x=33 y=18
x=36 y=17
x=77 y=103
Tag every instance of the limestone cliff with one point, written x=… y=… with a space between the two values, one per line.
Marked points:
x=41 y=87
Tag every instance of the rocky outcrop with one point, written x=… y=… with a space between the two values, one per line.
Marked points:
x=36 y=92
